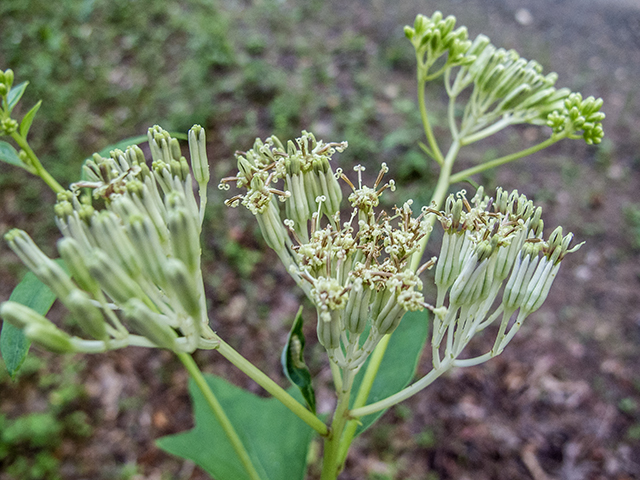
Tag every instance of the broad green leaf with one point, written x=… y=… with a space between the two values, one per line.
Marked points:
x=277 y=441
x=10 y=155
x=398 y=364
x=14 y=346
x=25 y=125
x=122 y=144
x=15 y=94
x=293 y=362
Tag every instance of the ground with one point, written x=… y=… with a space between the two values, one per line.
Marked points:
x=562 y=401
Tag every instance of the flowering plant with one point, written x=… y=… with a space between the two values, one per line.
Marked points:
x=130 y=250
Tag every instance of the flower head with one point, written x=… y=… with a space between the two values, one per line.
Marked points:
x=131 y=249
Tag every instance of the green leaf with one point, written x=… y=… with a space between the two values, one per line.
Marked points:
x=14 y=346
x=398 y=364
x=277 y=441
x=293 y=362
x=123 y=144
x=10 y=155
x=25 y=125
x=15 y=94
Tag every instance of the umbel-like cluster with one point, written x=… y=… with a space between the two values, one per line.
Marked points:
x=493 y=241
x=355 y=264
x=505 y=89
x=131 y=251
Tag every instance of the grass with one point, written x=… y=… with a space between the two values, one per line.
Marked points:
x=30 y=442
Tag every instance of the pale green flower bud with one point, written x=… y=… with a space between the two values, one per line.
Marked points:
x=72 y=255
x=89 y=317
x=539 y=286
x=185 y=239
x=184 y=287
x=50 y=337
x=8 y=78
x=150 y=324
x=515 y=291
x=28 y=252
x=198 y=154
x=112 y=278
x=329 y=331
x=111 y=237
x=151 y=256
x=20 y=316
x=54 y=277
x=354 y=321
x=391 y=319
x=273 y=231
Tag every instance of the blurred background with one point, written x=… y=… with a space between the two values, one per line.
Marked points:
x=562 y=402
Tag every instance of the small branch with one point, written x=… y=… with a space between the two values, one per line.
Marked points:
x=437 y=154
x=272 y=387
x=460 y=176
x=405 y=393
x=488 y=131
x=35 y=163
x=218 y=411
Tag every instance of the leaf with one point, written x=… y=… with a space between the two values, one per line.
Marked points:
x=25 y=125
x=293 y=362
x=277 y=441
x=15 y=94
x=398 y=364
x=14 y=346
x=10 y=155
x=122 y=144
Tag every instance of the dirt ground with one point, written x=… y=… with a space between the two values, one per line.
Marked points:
x=562 y=402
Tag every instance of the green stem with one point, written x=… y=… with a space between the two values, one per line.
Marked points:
x=363 y=393
x=437 y=154
x=331 y=462
x=404 y=393
x=272 y=387
x=218 y=411
x=460 y=176
x=488 y=131
x=35 y=163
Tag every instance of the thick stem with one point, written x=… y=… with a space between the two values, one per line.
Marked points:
x=331 y=462
x=363 y=393
x=218 y=411
x=272 y=387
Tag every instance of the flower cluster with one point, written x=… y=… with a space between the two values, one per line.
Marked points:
x=578 y=114
x=505 y=88
x=131 y=251
x=487 y=242
x=354 y=267
x=434 y=37
x=7 y=124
